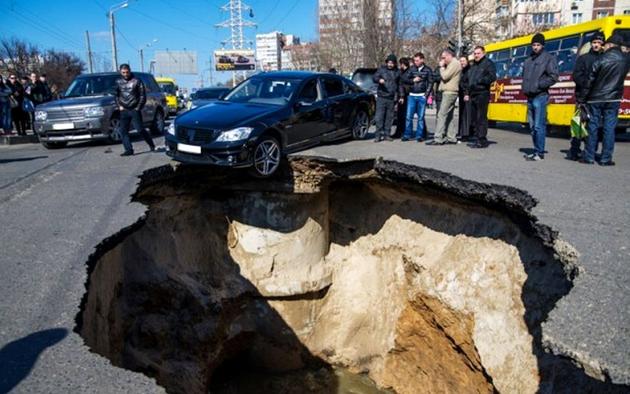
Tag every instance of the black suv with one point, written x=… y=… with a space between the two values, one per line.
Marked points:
x=88 y=111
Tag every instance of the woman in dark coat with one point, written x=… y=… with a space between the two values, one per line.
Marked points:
x=17 y=113
x=465 y=107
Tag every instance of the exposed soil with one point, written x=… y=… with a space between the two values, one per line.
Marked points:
x=362 y=276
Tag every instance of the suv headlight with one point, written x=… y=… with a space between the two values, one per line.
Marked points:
x=92 y=112
x=171 y=128
x=41 y=116
x=237 y=134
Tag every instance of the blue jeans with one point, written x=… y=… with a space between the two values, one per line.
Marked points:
x=602 y=115
x=128 y=118
x=537 y=119
x=415 y=105
x=5 y=116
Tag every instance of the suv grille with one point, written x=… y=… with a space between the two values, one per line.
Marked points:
x=65 y=114
x=197 y=135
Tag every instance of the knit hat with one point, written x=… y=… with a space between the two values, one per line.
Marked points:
x=538 y=38
x=392 y=58
x=598 y=36
x=616 y=39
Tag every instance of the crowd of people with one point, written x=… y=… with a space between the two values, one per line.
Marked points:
x=18 y=99
x=406 y=87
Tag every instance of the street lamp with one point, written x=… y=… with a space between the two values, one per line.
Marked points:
x=141 y=50
x=110 y=15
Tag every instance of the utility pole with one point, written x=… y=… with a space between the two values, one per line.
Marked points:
x=141 y=59
x=89 y=52
x=236 y=25
x=460 y=23
x=112 y=26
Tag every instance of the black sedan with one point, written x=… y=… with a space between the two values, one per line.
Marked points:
x=207 y=95
x=269 y=115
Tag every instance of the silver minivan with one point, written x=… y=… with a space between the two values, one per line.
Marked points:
x=88 y=111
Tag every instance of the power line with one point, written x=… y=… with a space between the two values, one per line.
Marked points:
x=169 y=25
x=287 y=14
x=270 y=12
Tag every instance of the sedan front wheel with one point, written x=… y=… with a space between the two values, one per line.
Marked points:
x=360 y=125
x=267 y=155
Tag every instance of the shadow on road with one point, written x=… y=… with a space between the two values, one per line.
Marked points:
x=4 y=161
x=17 y=358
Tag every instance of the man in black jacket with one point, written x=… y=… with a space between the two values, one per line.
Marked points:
x=418 y=82
x=540 y=72
x=583 y=66
x=131 y=97
x=387 y=77
x=403 y=92
x=481 y=75
x=603 y=92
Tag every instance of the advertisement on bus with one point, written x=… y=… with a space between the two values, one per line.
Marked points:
x=235 y=60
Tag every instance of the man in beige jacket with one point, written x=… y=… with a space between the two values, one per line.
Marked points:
x=450 y=73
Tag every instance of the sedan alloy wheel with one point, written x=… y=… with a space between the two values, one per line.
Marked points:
x=267 y=157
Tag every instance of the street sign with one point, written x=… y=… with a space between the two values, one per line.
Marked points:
x=175 y=62
x=235 y=60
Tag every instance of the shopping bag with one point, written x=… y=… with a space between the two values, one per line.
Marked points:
x=578 y=126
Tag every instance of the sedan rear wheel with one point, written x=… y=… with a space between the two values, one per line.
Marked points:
x=114 y=133
x=360 y=125
x=267 y=155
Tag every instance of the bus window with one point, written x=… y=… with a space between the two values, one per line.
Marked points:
x=502 y=55
x=566 y=60
x=552 y=45
x=570 y=42
x=502 y=68
x=519 y=51
x=516 y=67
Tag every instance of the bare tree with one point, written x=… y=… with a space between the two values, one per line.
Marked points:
x=20 y=57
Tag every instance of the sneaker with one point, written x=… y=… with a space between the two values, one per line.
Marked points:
x=126 y=153
x=529 y=156
x=607 y=163
x=388 y=138
x=377 y=140
x=404 y=139
x=584 y=161
x=534 y=157
x=478 y=145
x=435 y=143
x=420 y=140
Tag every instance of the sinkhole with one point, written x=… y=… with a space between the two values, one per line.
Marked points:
x=361 y=276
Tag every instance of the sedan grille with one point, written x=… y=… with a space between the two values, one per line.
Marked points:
x=198 y=136
x=65 y=114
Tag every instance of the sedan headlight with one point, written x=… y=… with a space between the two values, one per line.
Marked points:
x=171 y=128
x=237 y=134
x=92 y=112
x=41 y=116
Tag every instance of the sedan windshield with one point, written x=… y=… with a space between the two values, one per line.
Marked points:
x=209 y=94
x=92 y=86
x=272 y=91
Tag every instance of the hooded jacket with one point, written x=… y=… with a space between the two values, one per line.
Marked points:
x=426 y=80
x=607 y=76
x=481 y=75
x=389 y=89
x=540 y=72
x=130 y=94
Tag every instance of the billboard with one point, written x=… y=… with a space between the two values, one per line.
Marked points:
x=175 y=62
x=235 y=60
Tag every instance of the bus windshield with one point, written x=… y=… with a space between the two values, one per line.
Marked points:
x=167 y=87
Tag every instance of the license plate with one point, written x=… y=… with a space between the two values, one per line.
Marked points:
x=63 y=126
x=189 y=148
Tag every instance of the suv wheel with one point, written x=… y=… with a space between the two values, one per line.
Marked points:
x=267 y=155
x=114 y=134
x=55 y=145
x=361 y=125
x=159 y=122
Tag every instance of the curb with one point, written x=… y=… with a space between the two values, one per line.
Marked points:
x=18 y=139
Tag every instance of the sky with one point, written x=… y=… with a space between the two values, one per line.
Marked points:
x=176 y=24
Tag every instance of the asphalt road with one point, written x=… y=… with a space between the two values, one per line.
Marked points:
x=56 y=205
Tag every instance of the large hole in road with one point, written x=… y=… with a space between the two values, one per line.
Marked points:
x=361 y=276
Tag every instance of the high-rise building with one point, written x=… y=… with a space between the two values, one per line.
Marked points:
x=290 y=42
x=345 y=28
x=269 y=50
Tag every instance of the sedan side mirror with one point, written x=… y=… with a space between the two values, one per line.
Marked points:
x=302 y=104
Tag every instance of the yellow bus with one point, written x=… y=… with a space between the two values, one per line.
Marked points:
x=169 y=88
x=507 y=101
